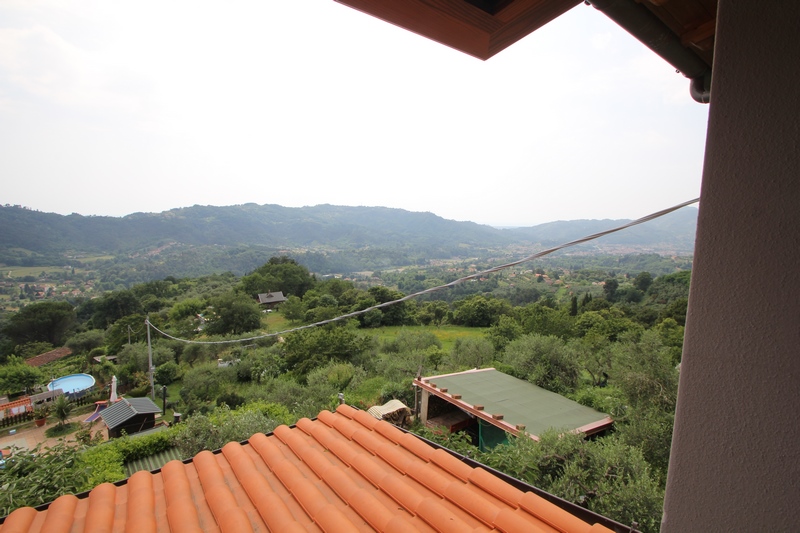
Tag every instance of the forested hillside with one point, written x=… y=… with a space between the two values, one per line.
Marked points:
x=608 y=337
x=203 y=240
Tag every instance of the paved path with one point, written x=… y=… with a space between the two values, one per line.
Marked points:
x=31 y=436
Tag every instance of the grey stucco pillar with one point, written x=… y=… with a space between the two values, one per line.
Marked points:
x=735 y=461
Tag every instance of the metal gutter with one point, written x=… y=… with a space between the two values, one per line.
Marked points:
x=650 y=31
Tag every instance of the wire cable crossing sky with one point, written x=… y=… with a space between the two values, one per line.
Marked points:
x=492 y=270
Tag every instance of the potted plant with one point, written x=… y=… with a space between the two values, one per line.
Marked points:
x=40 y=413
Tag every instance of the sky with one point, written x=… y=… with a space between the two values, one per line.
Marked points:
x=116 y=107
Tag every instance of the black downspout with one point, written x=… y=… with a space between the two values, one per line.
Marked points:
x=647 y=28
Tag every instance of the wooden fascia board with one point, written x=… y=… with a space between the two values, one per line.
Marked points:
x=445 y=22
x=523 y=17
x=462 y=26
x=595 y=427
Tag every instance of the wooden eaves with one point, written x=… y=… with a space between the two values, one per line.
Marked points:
x=478 y=31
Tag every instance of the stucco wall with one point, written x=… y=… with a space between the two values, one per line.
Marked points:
x=735 y=463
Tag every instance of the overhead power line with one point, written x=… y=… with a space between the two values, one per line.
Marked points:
x=480 y=274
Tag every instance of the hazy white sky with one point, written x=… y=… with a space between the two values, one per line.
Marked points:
x=115 y=107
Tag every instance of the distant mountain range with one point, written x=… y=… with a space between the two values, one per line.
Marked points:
x=322 y=229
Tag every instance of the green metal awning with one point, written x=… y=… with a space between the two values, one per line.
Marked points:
x=512 y=404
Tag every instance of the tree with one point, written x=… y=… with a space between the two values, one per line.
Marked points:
x=594 y=356
x=609 y=323
x=278 y=274
x=573 y=308
x=506 y=330
x=469 y=352
x=408 y=341
x=543 y=320
x=610 y=289
x=644 y=370
x=480 y=311
x=128 y=329
x=643 y=281
x=167 y=373
x=307 y=349
x=676 y=310
x=42 y=322
x=62 y=408
x=438 y=310
x=186 y=308
x=16 y=376
x=32 y=349
x=136 y=356
x=667 y=288
x=546 y=361
x=293 y=308
x=395 y=314
x=203 y=383
x=113 y=306
x=85 y=341
x=234 y=314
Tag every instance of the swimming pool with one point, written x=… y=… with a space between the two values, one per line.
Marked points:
x=72 y=383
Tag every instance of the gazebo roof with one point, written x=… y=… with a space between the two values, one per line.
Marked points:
x=125 y=409
x=512 y=404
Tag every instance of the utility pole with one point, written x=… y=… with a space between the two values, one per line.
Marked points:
x=150 y=359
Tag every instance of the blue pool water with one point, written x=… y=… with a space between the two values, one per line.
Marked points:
x=72 y=383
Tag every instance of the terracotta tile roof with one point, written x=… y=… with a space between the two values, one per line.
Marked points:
x=48 y=357
x=344 y=471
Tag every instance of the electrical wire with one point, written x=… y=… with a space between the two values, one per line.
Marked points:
x=482 y=273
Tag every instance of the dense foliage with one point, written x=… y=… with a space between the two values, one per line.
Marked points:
x=609 y=337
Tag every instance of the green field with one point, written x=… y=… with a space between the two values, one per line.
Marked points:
x=447 y=334
x=17 y=272
x=93 y=258
x=274 y=322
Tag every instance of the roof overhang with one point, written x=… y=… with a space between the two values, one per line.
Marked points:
x=680 y=31
x=480 y=28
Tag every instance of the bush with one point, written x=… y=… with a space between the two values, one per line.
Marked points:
x=167 y=373
x=470 y=352
x=133 y=448
x=105 y=464
x=211 y=432
x=59 y=430
x=86 y=341
x=604 y=475
x=402 y=391
x=231 y=399
x=545 y=361
x=31 y=478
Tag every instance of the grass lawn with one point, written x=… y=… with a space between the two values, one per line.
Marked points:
x=92 y=258
x=22 y=271
x=274 y=322
x=446 y=334
x=173 y=395
x=61 y=430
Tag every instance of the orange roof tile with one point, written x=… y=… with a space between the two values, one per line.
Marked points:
x=344 y=471
x=49 y=357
